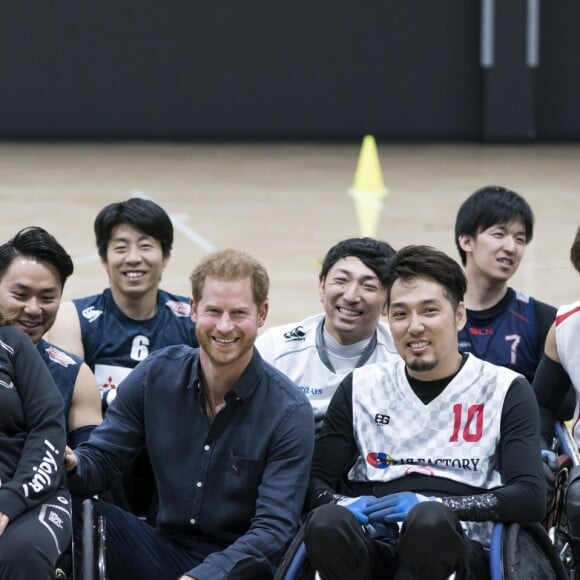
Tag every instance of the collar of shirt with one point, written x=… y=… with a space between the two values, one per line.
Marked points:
x=246 y=384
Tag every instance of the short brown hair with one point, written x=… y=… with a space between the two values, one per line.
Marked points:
x=231 y=265
x=7 y=318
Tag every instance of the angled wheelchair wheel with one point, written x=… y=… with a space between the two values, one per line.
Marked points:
x=294 y=562
x=524 y=552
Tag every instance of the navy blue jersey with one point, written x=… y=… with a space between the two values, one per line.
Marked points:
x=64 y=368
x=114 y=343
x=511 y=333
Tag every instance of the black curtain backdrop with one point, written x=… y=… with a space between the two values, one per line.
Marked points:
x=261 y=69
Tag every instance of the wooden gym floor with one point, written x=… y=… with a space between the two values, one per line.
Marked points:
x=287 y=204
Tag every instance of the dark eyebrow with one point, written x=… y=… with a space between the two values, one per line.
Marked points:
x=423 y=303
x=23 y=287
x=351 y=275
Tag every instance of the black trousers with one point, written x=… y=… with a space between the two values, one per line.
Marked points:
x=431 y=546
x=32 y=544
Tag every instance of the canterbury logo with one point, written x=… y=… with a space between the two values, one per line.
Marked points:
x=91 y=314
x=295 y=334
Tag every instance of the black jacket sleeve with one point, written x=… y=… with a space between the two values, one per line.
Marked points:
x=522 y=498
x=551 y=385
x=39 y=469
x=335 y=449
x=545 y=314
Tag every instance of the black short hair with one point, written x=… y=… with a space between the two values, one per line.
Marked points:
x=376 y=255
x=142 y=214
x=414 y=261
x=575 y=251
x=36 y=242
x=488 y=206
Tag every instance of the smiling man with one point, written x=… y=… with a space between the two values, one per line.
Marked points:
x=230 y=440
x=115 y=330
x=492 y=230
x=438 y=441
x=34 y=268
x=320 y=351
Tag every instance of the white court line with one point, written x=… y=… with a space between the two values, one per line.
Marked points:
x=178 y=220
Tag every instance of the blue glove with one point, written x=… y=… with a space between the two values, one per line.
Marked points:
x=393 y=508
x=356 y=506
x=550 y=463
x=550 y=459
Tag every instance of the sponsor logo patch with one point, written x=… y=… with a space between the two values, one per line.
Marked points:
x=182 y=309
x=59 y=357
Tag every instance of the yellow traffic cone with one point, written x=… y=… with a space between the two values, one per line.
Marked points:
x=368 y=189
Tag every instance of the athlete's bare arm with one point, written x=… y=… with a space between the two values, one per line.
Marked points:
x=66 y=330
x=550 y=347
x=85 y=409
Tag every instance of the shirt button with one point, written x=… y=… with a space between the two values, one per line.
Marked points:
x=199 y=484
x=206 y=447
x=192 y=521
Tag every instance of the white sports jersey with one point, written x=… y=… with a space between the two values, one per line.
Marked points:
x=567 y=337
x=455 y=436
x=297 y=349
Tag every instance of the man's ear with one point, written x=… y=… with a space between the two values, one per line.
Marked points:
x=385 y=310
x=193 y=306
x=466 y=243
x=321 y=289
x=263 y=313
x=460 y=316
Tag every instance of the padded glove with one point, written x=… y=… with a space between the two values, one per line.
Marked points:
x=393 y=508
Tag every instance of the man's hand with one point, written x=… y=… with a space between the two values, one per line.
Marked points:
x=70 y=459
x=4 y=521
x=550 y=463
x=393 y=508
x=356 y=506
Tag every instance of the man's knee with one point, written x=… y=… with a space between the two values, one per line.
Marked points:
x=24 y=559
x=431 y=519
x=336 y=543
x=432 y=543
x=331 y=530
x=326 y=524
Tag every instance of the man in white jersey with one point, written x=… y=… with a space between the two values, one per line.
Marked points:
x=560 y=364
x=425 y=450
x=317 y=353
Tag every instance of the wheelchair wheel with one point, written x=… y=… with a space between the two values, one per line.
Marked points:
x=88 y=541
x=294 y=560
x=93 y=553
x=528 y=554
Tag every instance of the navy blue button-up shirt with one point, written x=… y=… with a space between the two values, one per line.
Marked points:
x=238 y=482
